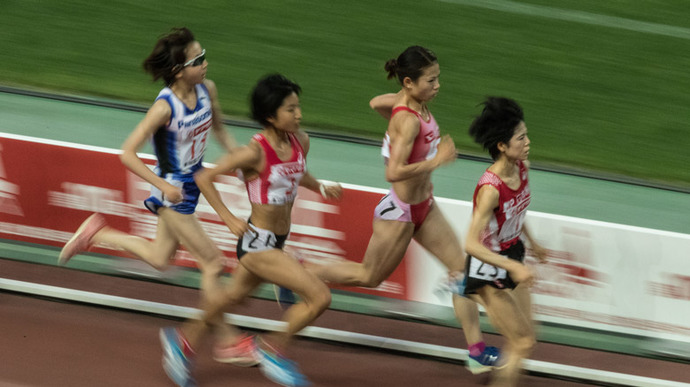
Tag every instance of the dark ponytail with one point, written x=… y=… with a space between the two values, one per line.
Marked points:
x=410 y=64
x=168 y=55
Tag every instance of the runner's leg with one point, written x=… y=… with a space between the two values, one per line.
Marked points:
x=156 y=253
x=188 y=230
x=505 y=314
x=438 y=237
x=385 y=251
x=277 y=267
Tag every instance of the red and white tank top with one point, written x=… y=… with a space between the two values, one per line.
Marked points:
x=426 y=142
x=505 y=226
x=278 y=181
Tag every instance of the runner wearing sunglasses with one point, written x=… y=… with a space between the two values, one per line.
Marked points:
x=178 y=123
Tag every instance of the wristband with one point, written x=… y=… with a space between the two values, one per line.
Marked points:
x=322 y=188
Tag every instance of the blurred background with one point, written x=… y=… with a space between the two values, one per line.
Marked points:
x=603 y=84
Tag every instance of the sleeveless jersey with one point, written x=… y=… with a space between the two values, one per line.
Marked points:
x=278 y=182
x=180 y=145
x=426 y=142
x=505 y=227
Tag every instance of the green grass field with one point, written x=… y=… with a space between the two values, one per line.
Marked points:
x=603 y=84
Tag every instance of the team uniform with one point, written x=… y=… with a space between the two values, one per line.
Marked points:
x=425 y=147
x=502 y=235
x=179 y=148
x=277 y=184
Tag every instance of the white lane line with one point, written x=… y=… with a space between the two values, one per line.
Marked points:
x=577 y=17
x=325 y=333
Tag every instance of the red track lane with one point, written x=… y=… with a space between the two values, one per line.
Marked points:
x=49 y=343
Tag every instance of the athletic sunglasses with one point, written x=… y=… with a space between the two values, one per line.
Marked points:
x=197 y=60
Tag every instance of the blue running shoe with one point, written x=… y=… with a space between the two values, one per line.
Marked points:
x=176 y=363
x=285 y=297
x=281 y=370
x=485 y=362
x=457 y=284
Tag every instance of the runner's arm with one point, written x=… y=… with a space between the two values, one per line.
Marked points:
x=246 y=157
x=538 y=250
x=157 y=116
x=383 y=104
x=327 y=191
x=487 y=200
x=308 y=181
x=224 y=137
x=403 y=129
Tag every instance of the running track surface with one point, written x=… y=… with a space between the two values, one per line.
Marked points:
x=50 y=343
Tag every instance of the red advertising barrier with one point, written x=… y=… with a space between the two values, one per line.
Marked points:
x=48 y=188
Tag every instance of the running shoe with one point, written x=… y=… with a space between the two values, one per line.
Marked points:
x=457 y=284
x=453 y=284
x=485 y=361
x=244 y=353
x=177 y=362
x=285 y=297
x=81 y=240
x=281 y=370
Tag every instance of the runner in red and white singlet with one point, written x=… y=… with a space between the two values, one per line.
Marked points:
x=506 y=226
x=278 y=181
x=425 y=144
x=413 y=149
x=273 y=166
x=495 y=273
x=503 y=231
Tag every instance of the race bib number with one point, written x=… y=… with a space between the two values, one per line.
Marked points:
x=484 y=271
x=258 y=240
x=387 y=209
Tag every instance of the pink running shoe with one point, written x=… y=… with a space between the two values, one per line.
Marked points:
x=81 y=240
x=244 y=353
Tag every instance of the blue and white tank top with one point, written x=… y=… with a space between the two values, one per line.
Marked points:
x=180 y=145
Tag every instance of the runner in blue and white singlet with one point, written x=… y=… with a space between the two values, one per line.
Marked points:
x=179 y=148
x=177 y=124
